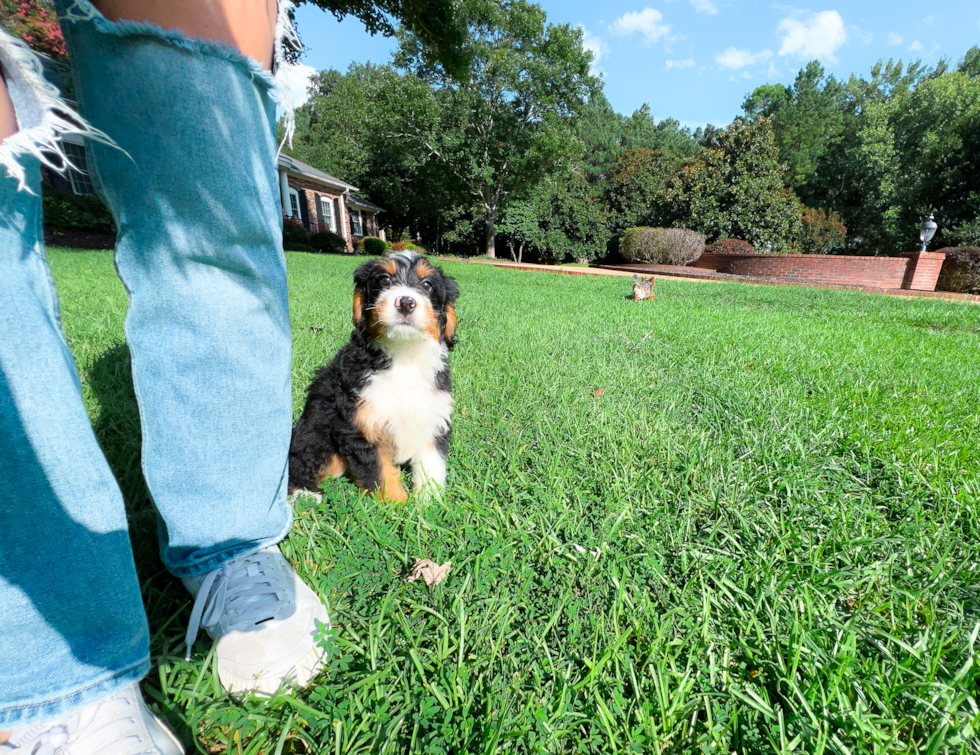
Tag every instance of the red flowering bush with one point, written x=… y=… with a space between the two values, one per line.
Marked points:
x=823 y=232
x=35 y=22
x=730 y=246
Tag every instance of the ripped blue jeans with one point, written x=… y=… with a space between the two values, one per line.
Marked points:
x=181 y=143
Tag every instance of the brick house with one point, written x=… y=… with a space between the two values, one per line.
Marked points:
x=324 y=203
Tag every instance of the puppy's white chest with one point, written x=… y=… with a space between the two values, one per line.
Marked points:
x=404 y=401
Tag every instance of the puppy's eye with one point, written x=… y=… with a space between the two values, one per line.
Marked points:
x=426 y=285
x=385 y=280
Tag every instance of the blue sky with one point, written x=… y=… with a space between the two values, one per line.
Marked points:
x=695 y=60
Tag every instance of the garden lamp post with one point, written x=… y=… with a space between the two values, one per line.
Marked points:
x=927 y=231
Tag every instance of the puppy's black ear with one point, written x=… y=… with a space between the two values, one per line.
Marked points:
x=447 y=320
x=361 y=277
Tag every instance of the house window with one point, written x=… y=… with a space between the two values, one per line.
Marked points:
x=356 y=223
x=294 y=203
x=326 y=208
x=78 y=176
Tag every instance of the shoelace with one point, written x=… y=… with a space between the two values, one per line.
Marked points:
x=250 y=587
x=93 y=729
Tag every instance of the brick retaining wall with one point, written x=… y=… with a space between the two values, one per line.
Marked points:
x=913 y=271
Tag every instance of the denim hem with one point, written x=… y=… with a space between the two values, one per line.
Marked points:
x=275 y=82
x=66 y=704
x=220 y=559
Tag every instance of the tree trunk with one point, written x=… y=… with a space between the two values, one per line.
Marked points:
x=491 y=233
x=520 y=252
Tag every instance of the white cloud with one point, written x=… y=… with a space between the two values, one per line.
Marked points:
x=680 y=63
x=705 y=6
x=734 y=58
x=817 y=36
x=596 y=46
x=297 y=80
x=915 y=46
x=647 y=22
x=894 y=39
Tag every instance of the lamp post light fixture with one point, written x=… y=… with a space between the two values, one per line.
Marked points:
x=927 y=231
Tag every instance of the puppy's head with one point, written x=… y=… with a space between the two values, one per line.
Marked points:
x=403 y=296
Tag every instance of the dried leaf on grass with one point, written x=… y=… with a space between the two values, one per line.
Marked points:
x=598 y=392
x=430 y=572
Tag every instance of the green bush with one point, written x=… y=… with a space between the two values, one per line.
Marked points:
x=326 y=242
x=296 y=247
x=662 y=246
x=961 y=270
x=293 y=232
x=823 y=232
x=374 y=245
x=63 y=209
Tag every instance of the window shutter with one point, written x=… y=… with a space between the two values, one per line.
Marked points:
x=304 y=208
x=336 y=215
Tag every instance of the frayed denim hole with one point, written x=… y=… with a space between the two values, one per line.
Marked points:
x=82 y=11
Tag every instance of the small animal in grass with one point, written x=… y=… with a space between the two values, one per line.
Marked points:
x=643 y=289
x=385 y=399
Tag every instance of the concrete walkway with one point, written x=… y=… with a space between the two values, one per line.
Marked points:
x=696 y=274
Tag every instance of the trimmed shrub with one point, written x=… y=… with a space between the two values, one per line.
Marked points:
x=64 y=209
x=661 y=246
x=730 y=246
x=293 y=232
x=823 y=232
x=296 y=247
x=961 y=270
x=326 y=242
x=374 y=245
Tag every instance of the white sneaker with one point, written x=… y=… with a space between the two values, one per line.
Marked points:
x=265 y=620
x=120 y=725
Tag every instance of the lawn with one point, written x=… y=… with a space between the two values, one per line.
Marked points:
x=734 y=519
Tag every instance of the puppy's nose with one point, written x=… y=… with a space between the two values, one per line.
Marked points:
x=405 y=304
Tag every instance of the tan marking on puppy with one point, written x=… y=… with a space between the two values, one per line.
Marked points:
x=428 y=318
x=334 y=468
x=423 y=268
x=391 y=487
x=390 y=266
x=450 y=323
x=359 y=299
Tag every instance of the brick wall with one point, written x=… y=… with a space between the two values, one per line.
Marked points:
x=309 y=194
x=874 y=272
x=923 y=270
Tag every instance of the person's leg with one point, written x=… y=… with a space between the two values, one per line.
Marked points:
x=72 y=625
x=194 y=191
x=195 y=194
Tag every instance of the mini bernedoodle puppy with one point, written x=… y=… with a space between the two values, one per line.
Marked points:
x=385 y=399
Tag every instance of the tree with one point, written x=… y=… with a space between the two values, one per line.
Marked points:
x=641 y=131
x=559 y=219
x=639 y=190
x=735 y=189
x=807 y=118
x=599 y=128
x=437 y=24
x=506 y=122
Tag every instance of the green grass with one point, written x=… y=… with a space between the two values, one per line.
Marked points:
x=777 y=496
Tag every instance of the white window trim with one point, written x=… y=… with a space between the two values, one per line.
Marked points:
x=297 y=213
x=326 y=207
x=358 y=229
